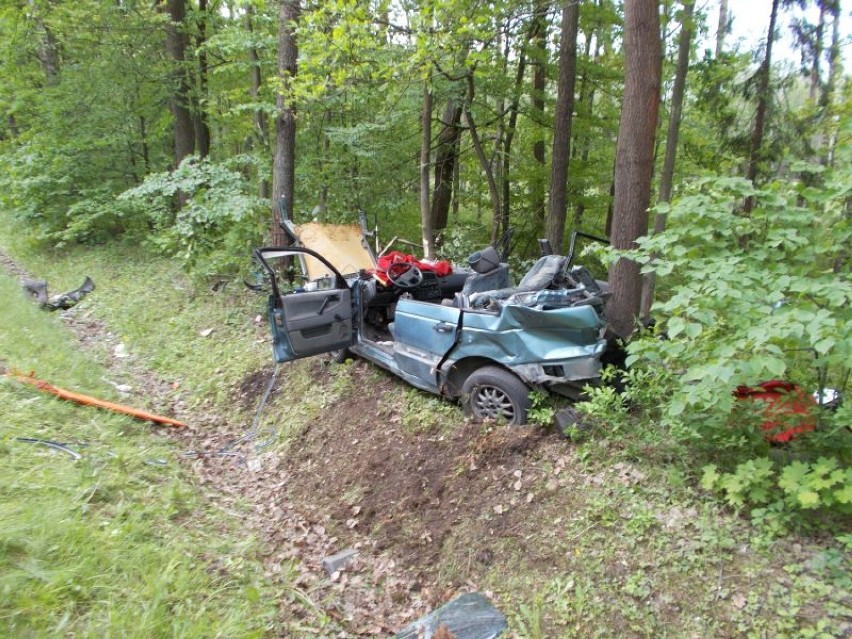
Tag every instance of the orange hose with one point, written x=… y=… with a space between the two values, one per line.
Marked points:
x=86 y=400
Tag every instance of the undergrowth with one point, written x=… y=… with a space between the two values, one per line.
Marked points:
x=114 y=543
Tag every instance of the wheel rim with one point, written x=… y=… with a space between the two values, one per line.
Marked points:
x=490 y=402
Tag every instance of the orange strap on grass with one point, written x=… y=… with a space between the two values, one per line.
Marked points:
x=93 y=401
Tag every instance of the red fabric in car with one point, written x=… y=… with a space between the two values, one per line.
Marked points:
x=385 y=262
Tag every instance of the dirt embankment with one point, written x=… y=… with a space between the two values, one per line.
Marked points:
x=428 y=513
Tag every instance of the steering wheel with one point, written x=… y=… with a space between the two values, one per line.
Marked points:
x=405 y=275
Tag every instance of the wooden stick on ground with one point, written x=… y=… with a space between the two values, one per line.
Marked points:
x=86 y=400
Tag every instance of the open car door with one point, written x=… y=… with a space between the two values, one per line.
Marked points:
x=307 y=322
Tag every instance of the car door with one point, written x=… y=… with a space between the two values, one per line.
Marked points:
x=423 y=335
x=315 y=318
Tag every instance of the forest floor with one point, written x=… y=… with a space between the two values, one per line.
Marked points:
x=567 y=539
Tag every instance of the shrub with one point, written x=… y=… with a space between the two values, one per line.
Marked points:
x=217 y=225
x=750 y=298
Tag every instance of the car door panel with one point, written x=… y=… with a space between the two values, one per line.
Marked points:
x=423 y=335
x=305 y=323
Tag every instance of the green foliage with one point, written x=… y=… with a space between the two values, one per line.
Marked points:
x=109 y=544
x=541 y=410
x=219 y=223
x=777 y=498
x=748 y=299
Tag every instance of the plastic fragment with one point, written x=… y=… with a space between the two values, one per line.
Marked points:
x=469 y=616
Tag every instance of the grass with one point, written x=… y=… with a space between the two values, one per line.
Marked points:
x=641 y=555
x=109 y=545
x=162 y=315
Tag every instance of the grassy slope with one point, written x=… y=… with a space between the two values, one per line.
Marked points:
x=620 y=555
x=102 y=546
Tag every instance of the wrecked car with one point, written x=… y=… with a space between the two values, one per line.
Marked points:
x=469 y=335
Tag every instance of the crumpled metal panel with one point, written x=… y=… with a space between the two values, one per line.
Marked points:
x=520 y=335
x=469 y=616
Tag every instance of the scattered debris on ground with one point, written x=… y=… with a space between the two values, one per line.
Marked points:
x=469 y=616
x=37 y=289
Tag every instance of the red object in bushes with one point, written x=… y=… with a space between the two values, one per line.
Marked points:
x=788 y=409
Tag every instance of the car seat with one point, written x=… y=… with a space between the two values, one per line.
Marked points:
x=489 y=273
x=547 y=272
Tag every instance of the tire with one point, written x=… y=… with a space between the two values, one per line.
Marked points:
x=339 y=356
x=494 y=393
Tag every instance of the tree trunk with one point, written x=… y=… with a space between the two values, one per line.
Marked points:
x=284 y=161
x=756 y=146
x=261 y=122
x=562 y=125
x=539 y=86
x=672 y=135
x=493 y=192
x=634 y=164
x=723 y=28
x=446 y=156
x=827 y=97
x=426 y=221
x=48 y=55
x=507 y=146
x=176 y=44
x=201 y=119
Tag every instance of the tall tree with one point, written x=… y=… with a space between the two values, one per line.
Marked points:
x=426 y=219
x=562 y=125
x=634 y=163
x=177 y=42
x=722 y=28
x=261 y=122
x=539 y=86
x=284 y=161
x=446 y=156
x=672 y=137
x=763 y=96
x=201 y=102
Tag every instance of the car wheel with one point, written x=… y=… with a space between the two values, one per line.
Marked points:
x=339 y=356
x=494 y=393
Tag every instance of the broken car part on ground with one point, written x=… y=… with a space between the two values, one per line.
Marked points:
x=37 y=289
x=87 y=400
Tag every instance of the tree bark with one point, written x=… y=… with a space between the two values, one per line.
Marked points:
x=493 y=192
x=48 y=55
x=562 y=125
x=177 y=42
x=722 y=29
x=200 y=117
x=756 y=146
x=284 y=161
x=827 y=97
x=446 y=156
x=426 y=221
x=539 y=86
x=507 y=146
x=261 y=122
x=634 y=164
x=672 y=136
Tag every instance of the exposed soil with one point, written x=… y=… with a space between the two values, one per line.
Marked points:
x=353 y=479
x=432 y=511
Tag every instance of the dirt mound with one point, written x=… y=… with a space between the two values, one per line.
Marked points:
x=422 y=497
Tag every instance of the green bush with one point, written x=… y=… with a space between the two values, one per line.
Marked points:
x=217 y=225
x=749 y=298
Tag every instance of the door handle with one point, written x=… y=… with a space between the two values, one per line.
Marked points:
x=326 y=301
x=444 y=327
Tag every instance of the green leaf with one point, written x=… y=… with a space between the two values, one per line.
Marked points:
x=709 y=477
x=808 y=499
